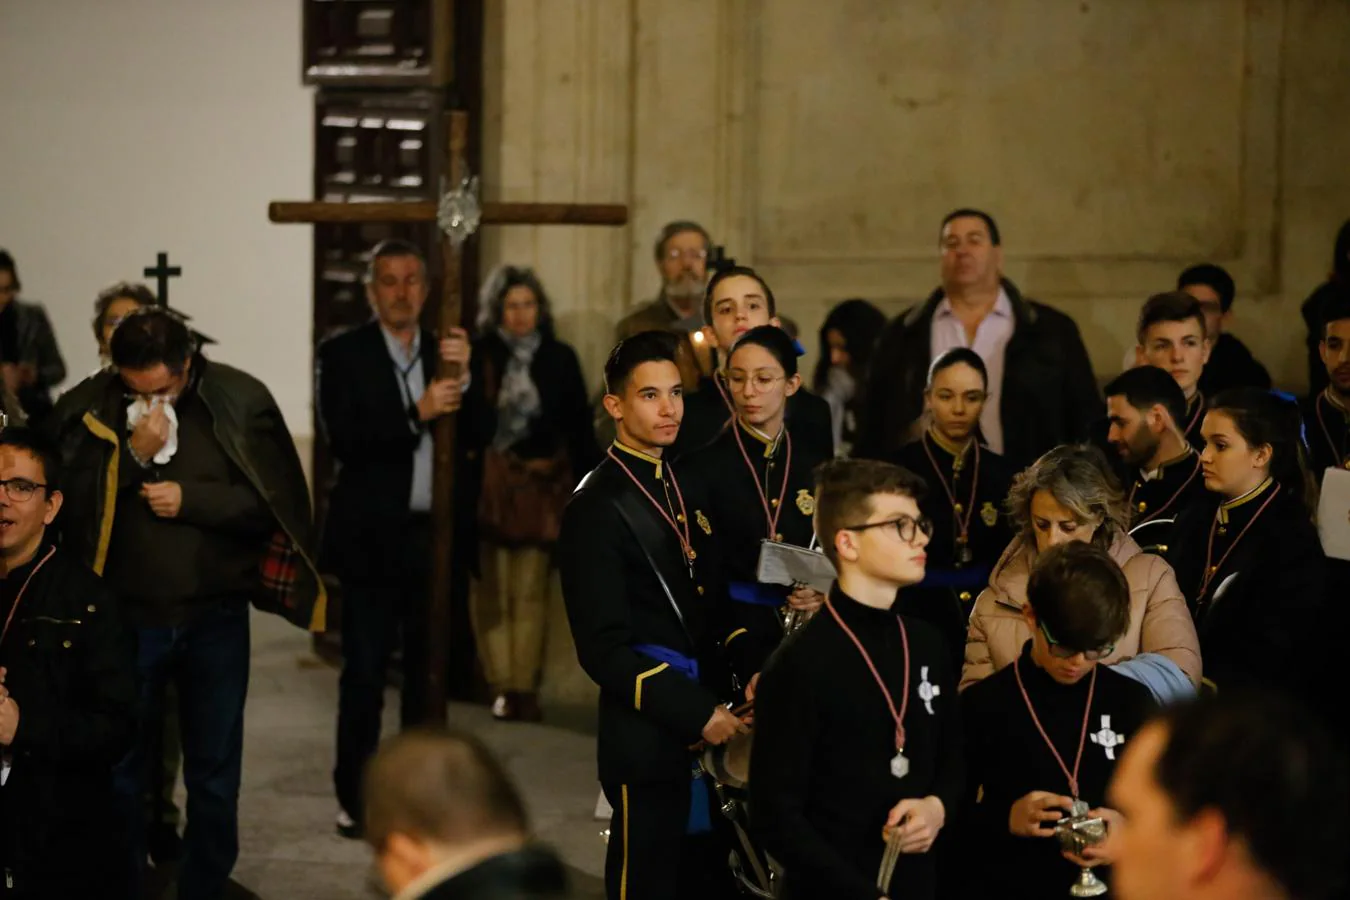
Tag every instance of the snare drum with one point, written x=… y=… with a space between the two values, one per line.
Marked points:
x=729 y=766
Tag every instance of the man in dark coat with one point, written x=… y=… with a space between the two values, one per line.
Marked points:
x=446 y=823
x=30 y=361
x=1042 y=391
x=1230 y=363
x=187 y=495
x=67 y=695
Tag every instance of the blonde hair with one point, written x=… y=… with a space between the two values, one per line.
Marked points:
x=1080 y=480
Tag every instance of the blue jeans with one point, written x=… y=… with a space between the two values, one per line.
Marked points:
x=207 y=660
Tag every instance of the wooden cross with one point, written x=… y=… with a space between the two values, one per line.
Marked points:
x=438 y=607
x=161 y=271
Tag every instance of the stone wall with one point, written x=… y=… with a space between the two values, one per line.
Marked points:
x=1115 y=140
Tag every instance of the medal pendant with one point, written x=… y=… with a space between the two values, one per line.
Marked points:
x=692 y=554
x=900 y=765
x=1079 y=809
x=963 y=554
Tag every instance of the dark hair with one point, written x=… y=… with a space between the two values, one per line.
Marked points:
x=955 y=357
x=1340 y=263
x=773 y=339
x=1144 y=387
x=130 y=290
x=679 y=226
x=40 y=447
x=1278 y=779
x=492 y=298
x=1335 y=307
x=844 y=491
x=631 y=352
x=731 y=272
x=1079 y=593
x=391 y=248
x=966 y=212
x=7 y=265
x=1211 y=276
x=149 y=336
x=443 y=785
x=1172 y=306
x=860 y=323
x=1265 y=418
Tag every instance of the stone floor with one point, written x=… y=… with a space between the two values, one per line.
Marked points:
x=289 y=850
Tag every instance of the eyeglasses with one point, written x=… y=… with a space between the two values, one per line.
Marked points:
x=20 y=490
x=693 y=254
x=1062 y=652
x=762 y=381
x=906 y=527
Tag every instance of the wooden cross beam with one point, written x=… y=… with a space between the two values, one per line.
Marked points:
x=451 y=305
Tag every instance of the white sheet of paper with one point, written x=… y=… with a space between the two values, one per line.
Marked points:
x=1333 y=513
x=788 y=564
x=4 y=772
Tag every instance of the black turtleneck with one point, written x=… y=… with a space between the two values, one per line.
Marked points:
x=729 y=482
x=1257 y=615
x=1155 y=503
x=824 y=739
x=1007 y=758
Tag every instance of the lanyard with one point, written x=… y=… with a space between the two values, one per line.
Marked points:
x=890 y=702
x=962 y=521
x=1082 y=737
x=682 y=529
x=1170 y=500
x=19 y=596
x=1211 y=571
x=762 y=489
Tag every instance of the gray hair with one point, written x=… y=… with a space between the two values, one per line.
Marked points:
x=492 y=297
x=388 y=249
x=1078 y=477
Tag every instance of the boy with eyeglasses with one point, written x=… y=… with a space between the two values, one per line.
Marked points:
x=1047 y=731
x=857 y=757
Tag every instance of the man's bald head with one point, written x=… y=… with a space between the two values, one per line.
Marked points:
x=440 y=787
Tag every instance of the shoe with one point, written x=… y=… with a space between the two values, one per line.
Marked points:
x=527 y=707
x=503 y=709
x=348 y=827
x=163 y=844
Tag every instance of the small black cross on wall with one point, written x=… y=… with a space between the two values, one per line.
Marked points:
x=162 y=272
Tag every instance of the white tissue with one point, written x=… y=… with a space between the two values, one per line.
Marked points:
x=140 y=408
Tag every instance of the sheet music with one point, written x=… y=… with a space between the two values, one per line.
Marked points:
x=1333 y=513
x=787 y=564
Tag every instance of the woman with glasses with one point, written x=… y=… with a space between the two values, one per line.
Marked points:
x=758 y=476
x=967 y=484
x=1069 y=494
x=1248 y=556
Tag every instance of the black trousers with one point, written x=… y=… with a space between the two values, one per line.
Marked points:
x=380 y=614
x=649 y=855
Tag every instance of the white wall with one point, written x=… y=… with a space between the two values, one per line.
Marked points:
x=135 y=126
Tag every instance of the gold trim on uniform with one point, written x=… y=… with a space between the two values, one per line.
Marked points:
x=1245 y=498
x=957 y=451
x=637 y=688
x=703 y=522
x=806 y=502
x=656 y=461
x=735 y=634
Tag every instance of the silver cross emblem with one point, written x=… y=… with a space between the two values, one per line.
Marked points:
x=927 y=690
x=1107 y=739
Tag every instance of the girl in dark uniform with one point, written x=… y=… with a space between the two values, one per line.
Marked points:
x=1248 y=558
x=967 y=485
x=758 y=479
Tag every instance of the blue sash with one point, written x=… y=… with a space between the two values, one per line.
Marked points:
x=700 y=808
x=975 y=578
x=758 y=594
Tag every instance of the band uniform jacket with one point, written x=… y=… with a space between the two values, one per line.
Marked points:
x=945 y=596
x=1326 y=425
x=1157 y=498
x=822 y=787
x=1231 y=365
x=1048 y=396
x=708 y=412
x=70 y=657
x=627 y=582
x=1007 y=758
x=1261 y=616
x=373 y=430
x=754 y=629
x=1159 y=620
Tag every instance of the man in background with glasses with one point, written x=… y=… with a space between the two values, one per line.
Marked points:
x=1048 y=730
x=857 y=756
x=67 y=695
x=186 y=494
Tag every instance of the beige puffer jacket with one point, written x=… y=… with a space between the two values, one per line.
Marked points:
x=1160 y=621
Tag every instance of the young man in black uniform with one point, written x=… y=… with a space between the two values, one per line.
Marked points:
x=1173 y=338
x=1143 y=406
x=737 y=300
x=1230 y=363
x=1043 y=733
x=634 y=557
x=1326 y=414
x=857 y=746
